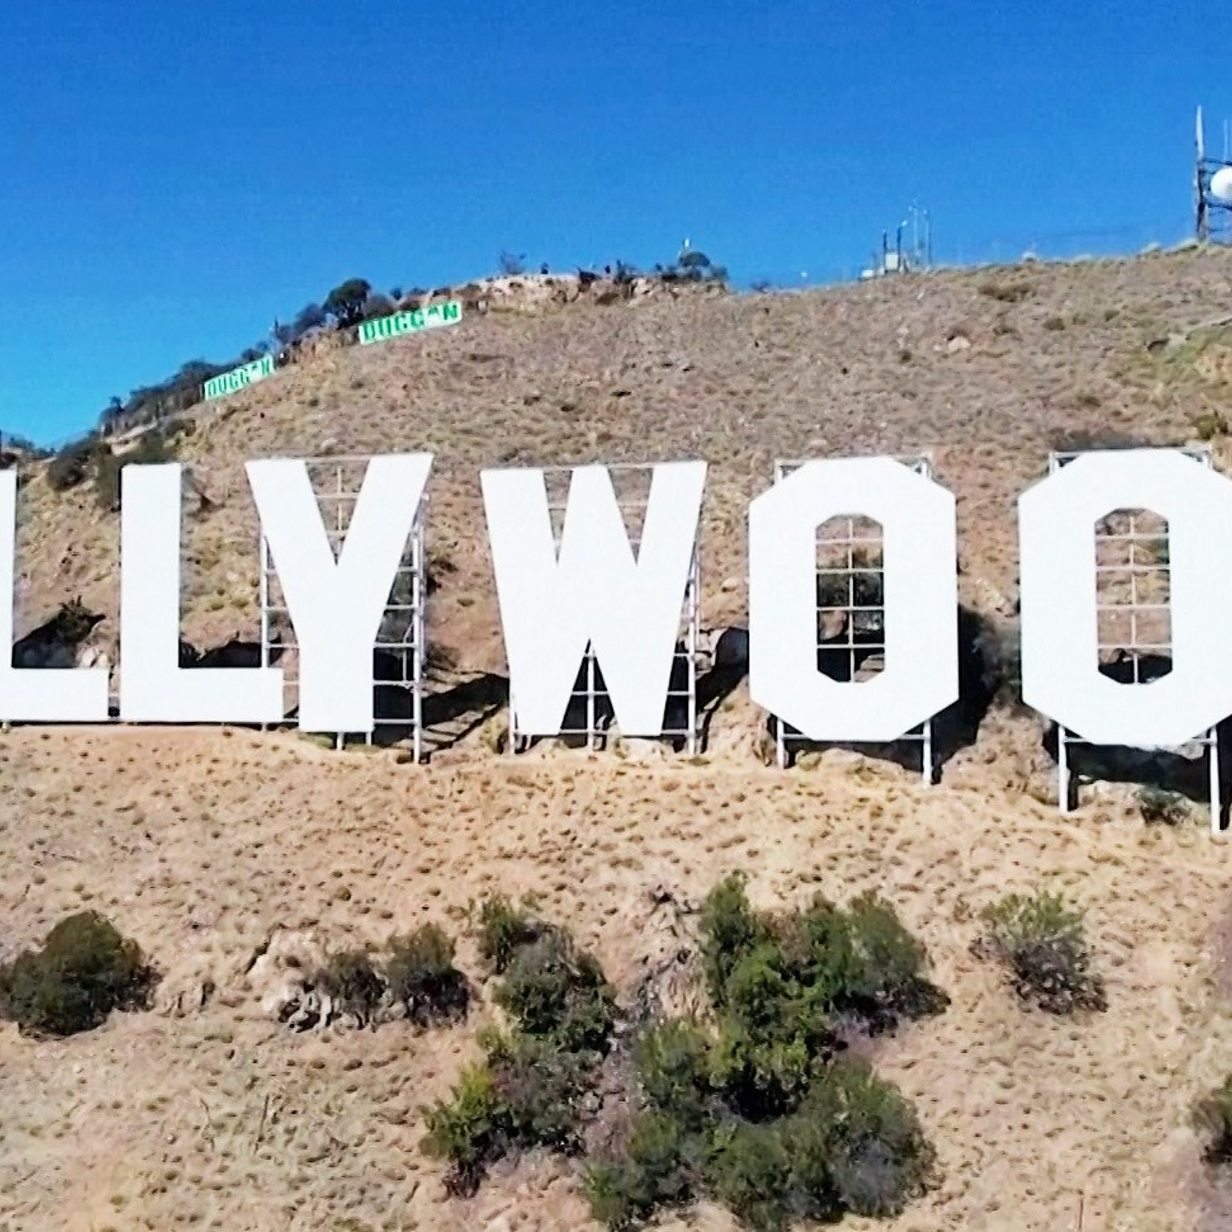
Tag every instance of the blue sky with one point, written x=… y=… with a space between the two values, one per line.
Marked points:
x=177 y=176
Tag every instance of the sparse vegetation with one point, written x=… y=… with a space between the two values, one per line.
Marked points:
x=1209 y=425
x=1005 y=292
x=503 y=928
x=84 y=970
x=351 y=980
x=1213 y=1120
x=152 y=448
x=528 y=1091
x=1041 y=943
x=422 y=977
x=1160 y=807
x=759 y=1112
x=70 y=467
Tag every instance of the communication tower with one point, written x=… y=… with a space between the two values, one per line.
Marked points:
x=1213 y=188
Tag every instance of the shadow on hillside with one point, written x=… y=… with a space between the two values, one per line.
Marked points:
x=582 y=715
x=955 y=728
x=62 y=635
x=473 y=701
x=1188 y=776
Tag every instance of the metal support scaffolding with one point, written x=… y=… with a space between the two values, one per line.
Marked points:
x=589 y=716
x=399 y=650
x=1132 y=553
x=858 y=548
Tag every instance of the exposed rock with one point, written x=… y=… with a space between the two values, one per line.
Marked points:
x=670 y=981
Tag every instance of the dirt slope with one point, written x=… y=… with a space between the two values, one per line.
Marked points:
x=202 y=843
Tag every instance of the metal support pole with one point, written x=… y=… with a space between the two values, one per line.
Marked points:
x=592 y=736
x=340 y=737
x=1216 y=785
x=263 y=589
x=1062 y=771
x=693 y=608
x=417 y=633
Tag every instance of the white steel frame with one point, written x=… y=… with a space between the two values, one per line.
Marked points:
x=786 y=737
x=336 y=481
x=595 y=732
x=1132 y=609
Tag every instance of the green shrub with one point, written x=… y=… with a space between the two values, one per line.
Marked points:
x=1213 y=1119
x=672 y=1062
x=1209 y=425
x=351 y=980
x=729 y=930
x=503 y=928
x=1054 y=324
x=70 y=466
x=1159 y=807
x=1041 y=942
x=764 y=1074
x=530 y=1090
x=754 y=1112
x=558 y=994
x=749 y=1171
x=85 y=970
x=857 y=1142
x=422 y=977
x=541 y=1088
x=471 y=1130
x=889 y=981
x=659 y=1171
x=860 y=965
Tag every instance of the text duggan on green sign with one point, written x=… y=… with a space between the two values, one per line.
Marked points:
x=411 y=322
x=239 y=378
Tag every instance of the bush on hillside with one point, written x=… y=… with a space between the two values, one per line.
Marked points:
x=875 y=1155
x=1210 y=424
x=672 y=1063
x=749 y=1171
x=861 y=966
x=1041 y=943
x=502 y=929
x=659 y=1169
x=752 y=1110
x=351 y=981
x=558 y=994
x=470 y=1130
x=84 y=970
x=152 y=448
x=1213 y=1119
x=530 y=1089
x=1160 y=807
x=422 y=977
x=70 y=467
x=541 y=1086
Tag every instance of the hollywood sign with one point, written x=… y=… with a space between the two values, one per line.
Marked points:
x=596 y=590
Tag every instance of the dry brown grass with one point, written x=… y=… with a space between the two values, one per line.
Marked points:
x=199 y=843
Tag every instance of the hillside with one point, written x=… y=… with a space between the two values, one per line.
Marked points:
x=204 y=844
x=987 y=369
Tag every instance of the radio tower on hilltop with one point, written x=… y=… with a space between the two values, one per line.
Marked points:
x=1212 y=188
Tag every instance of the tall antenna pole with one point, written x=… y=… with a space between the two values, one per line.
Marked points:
x=1200 y=224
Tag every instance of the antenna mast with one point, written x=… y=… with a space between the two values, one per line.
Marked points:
x=1200 y=225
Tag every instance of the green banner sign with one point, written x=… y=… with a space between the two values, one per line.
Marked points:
x=239 y=378
x=448 y=313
